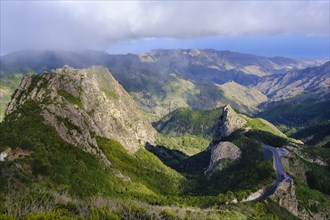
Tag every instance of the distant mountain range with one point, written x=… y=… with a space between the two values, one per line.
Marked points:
x=163 y=80
x=187 y=62
x=297 y=84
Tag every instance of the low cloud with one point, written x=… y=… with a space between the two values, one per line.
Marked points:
x=99 y=25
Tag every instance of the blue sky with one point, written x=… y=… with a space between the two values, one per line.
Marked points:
x=294 y=46
x=298 y=28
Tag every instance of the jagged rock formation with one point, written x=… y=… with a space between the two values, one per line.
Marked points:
x=224 y=152
x=229 y=123
x=84 y=103
x=220 y=152
x=285 y=195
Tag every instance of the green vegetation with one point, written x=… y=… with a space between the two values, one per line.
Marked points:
x=307 y=113
x=261 y=125
x=8 y=85
x=114 y=209
x=186 y=121
x=236 y=176
x=61 y=181
x=311 y=182
x=263 y=132
x=317 y=135
x=251 y=171
x=317 y=152
x=308 y=121
x=78 y=172
x=244 y=176
x=187 y=130
x=318 y=177
x=310 y=199
x=142 y=167
x=58 y=180
x=70 y=98
x=105 y=82
x=68 y=124
x=110 y=94
x=188 y=144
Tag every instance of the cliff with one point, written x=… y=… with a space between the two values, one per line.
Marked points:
x=84 y=103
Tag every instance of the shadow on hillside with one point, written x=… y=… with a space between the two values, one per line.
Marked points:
x=179 y=161
x=168 y=156
x=267 y=138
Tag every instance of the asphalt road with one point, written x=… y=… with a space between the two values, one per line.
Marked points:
x=279 y=172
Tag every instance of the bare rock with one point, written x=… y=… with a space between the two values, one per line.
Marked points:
x=255 y=195
x=285 y=195
x=219 y=152
x=84 y=103
x=230 y=122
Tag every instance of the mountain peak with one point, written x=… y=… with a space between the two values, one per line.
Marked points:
x=82 y=104
x=230 y=122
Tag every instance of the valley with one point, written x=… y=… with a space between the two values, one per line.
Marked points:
x=165 y=110
x=166 y=134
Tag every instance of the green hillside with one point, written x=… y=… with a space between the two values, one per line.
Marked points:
x=63 y=179
x=8 y=84
x=187 y=130
x=308 y=121
x=187 y=121
x=56 y=162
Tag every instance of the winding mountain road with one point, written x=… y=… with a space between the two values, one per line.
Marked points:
x=279 y=172
x=278 y=169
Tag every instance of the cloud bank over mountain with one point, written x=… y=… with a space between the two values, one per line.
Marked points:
x=98 y=25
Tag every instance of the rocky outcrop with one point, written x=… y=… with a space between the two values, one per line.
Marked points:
x=230 y=122
x=84 y=103
x=219 y=153
x=223 y=153
x=255 y=196
x=285 y=195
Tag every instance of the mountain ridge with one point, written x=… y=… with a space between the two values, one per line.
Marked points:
x=66 y=94
x=155 y=84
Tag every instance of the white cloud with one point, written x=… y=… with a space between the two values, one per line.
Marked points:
x=81 y=24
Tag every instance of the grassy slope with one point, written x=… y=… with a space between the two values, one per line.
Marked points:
x=187 y=130
x=251 y=171
x=8 y=84
x=56 y=169
x=243 y=175
x=186 y=121
x=309 y=121
x=81 y=173
x=317 y=187
x=241 y=94
x=312 y=184
x=188 y=144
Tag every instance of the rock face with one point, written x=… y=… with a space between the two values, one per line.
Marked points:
x=220 y=152
x=223 y=153
x=286 y=197
x=229 y=123
x=84 y=103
